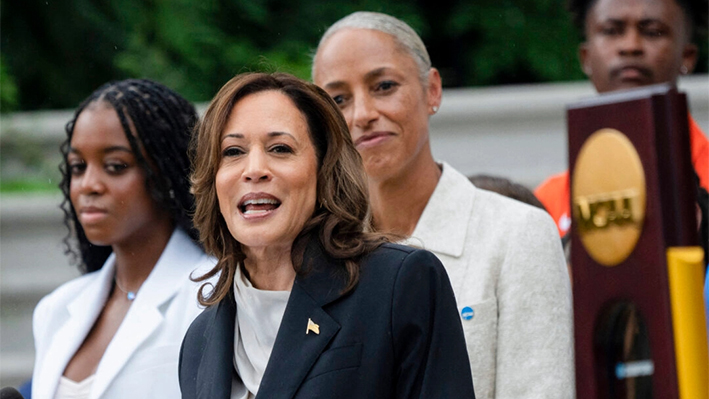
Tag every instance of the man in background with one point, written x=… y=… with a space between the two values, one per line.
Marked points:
x=629 y=44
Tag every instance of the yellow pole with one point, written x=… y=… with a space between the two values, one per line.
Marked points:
x=686 y=276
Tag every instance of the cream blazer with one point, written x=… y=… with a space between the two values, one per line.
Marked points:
x=512 y=288
x=141 y=360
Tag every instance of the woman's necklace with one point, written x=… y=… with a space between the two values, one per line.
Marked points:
x=129 y=294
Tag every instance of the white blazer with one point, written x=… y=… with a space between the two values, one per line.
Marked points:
x=509 y=276
x=141 y=360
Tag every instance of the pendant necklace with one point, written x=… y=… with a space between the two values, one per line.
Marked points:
x=129 y=294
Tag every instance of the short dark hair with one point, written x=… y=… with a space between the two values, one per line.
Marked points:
x=507 y=188
x=694 y=10
x=340 y=221
x=156 y=120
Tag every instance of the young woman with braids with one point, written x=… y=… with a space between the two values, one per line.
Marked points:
x=115 y=332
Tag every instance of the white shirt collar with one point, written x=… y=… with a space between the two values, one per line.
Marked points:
x=443 y=225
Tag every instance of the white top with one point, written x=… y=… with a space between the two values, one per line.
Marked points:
x=141 y=361
x=258 y=317
x=68 y=389
x=509 y=276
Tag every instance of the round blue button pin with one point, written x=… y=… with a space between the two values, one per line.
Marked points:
x=467 y=313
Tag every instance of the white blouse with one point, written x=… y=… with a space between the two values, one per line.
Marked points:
x=258 y=317
x=68 y=389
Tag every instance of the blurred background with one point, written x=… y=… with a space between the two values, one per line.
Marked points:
x=55 y=52
x=509 y=67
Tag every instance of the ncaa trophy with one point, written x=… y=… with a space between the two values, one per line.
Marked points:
x=638 y=272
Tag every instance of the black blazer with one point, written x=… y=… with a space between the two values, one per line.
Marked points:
x=397 y=334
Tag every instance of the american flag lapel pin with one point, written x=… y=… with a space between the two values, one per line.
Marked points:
x=312 y=327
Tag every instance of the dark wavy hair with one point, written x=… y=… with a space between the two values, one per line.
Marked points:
x=694 y=10
x=340 y=218
x=158 y=123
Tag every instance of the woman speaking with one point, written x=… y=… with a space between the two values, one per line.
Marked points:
x=504 y=257
x=307 y=304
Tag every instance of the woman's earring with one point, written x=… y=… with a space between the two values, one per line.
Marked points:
x=434 y=109
x=683 y=70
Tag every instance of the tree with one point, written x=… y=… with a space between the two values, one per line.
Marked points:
x=56 y=53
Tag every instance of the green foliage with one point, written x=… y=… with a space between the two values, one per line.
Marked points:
x=28 y=164
x=60 y=51
x=518 y=41
x=27 y=186
x=8 y=89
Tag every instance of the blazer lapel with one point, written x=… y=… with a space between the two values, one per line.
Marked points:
x=134 y=330
x=216 y=368
x=448 y=210
x=81 y=313
x=297 y=347
x=178 y=259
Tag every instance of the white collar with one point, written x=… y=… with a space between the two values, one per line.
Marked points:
x=170 y=273
x=180 y=256
x=443 y=225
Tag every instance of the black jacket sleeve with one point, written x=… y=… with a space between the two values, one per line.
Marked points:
x=429 y=345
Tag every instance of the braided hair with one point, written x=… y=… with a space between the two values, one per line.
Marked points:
x=159 y=121
x=694 y=10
